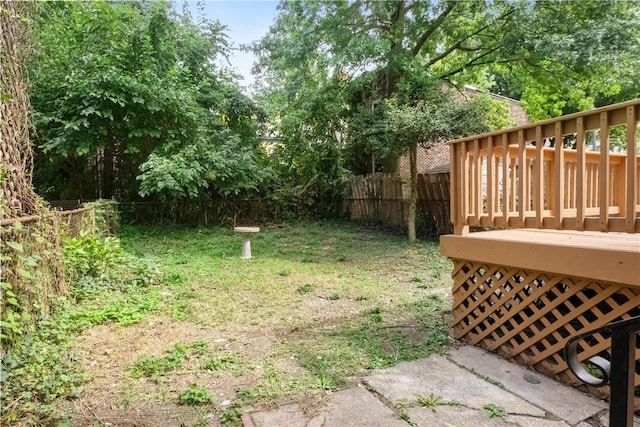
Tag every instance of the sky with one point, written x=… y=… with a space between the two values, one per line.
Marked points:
x=246 y=21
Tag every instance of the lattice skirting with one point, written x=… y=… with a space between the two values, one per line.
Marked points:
x=528 y=316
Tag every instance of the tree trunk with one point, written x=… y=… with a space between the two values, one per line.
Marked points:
x=108 y=166
x=17 y=197
x=413 y=196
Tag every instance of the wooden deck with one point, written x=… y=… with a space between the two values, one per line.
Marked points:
x=561 y=252
x=602 y=257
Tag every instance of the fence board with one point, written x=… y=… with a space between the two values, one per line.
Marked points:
x=380 y=198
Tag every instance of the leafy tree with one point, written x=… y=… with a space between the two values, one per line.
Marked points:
x=359 y=55
x=128 y=100
x=588 y=60
x=422 y=113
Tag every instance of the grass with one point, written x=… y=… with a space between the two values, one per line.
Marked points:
x=152 y=366
x=333 y=301
x=207 y=263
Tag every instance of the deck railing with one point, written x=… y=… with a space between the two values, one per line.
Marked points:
x=543 y=175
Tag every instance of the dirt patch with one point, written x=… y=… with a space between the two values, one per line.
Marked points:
x=114 y=396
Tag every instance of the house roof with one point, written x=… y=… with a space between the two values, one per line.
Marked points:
x=437 y=158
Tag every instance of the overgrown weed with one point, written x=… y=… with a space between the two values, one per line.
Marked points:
x=106 y=285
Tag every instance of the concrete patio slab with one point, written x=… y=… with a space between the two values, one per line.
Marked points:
x=451 y=416
x=350 y=407
x=556 y=398
x=602 y=419
x=444 y=378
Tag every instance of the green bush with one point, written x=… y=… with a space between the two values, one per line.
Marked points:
x=91 y=255
x=94 y=264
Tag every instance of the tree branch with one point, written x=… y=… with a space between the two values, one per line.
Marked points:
x=471 y=49
x=459 y=45
x=432 y=28
x=472 y=63
x=443 y=54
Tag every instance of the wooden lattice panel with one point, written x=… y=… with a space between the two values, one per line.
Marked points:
x=528 y=316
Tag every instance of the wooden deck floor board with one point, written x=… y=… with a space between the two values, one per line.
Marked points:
x=602 y=257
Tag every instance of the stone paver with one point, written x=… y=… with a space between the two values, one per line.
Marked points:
x=562 y=401
x=529 y=399
x=443 y=378
x=602 y=419
x=351 y=407
x=450 y=416
x=522 y=421
x=286 y=415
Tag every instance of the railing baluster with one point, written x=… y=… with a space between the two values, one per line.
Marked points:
x=539 y=178
x=623 y=358
x=477 y=178
x=491 y=182
x=604 y=190
x=632 y=170
x=505 y=179
x=580 y=174
x=513 y=184
x=523 y=168
x=559 y=175
x=464 y=184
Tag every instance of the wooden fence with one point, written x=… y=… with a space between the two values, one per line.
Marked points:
x=384 y=198
x=434 y=201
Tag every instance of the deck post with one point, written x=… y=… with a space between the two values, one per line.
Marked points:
x=604 y=188
x=632 y=170
x=581 y=192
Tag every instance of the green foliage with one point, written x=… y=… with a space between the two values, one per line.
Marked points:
x=373 y=77
x=96 y=264
x=124 y=309
x=38 y=371
x=151 y=366
x=30 y=280
x=38 y=361
x=430 y=401
x=92 y=255
x=588 y=60
x=494 y=411
x=195 y=395
x=135 y=91
x=305 y=289
x=498 y=117
x=225 y=362
x=333 y=296
x=232 y=415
